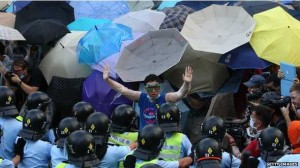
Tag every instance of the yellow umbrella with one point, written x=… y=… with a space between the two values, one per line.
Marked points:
x=276 y=37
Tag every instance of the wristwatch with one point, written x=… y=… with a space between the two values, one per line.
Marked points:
x=20 y=83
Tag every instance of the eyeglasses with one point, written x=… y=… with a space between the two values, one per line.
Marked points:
x=17 y=70
x=150 y=88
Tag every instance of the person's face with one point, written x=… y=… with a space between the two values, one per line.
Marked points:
x=257 y=122
x=295 y=99
x=152 y=89
x=251 y=89
x=19 y=70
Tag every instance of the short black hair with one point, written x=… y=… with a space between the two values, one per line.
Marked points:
x=21 y=63
x=2 y=48
x=273 y=78
x=264 y=114
x=151 y=78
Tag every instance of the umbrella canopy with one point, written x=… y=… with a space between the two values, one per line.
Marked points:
x=100 y=9
x=254 y=7
x=4 y=4
x=102 y=97
x=101 y=42
x=142 y=21
x=44 y=31
x=61 y=60
x=276 y=37
x=198 y=5
x=7 y=19
x=175 y=17
x=210 y=76
x=218 y=29
x=113 y=59
x=17 y=5
x=58 y=10
x=140 y=5
x=153 y=53
x=7 y=33
x=85 y=24
x=243 y=57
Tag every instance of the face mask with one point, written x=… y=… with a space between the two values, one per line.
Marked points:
x=251 y=123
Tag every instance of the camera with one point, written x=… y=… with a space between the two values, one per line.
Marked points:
x=283 y=102
x=9 y=75
x=254 y=95
x=237 y=129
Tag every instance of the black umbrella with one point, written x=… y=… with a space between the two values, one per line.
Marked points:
x=254 y=7
x=58 y=10
x=40 y=32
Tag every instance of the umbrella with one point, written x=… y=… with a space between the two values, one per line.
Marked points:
x=7 y=33
x=210 y=75
x=199 y=5
x=254 y=7
x=153 y=53
x=18 y=5
x=103 y=98
x=100 y=9
x=101 y=42
x=138 y=5
x=276 y=37
x=113 y=59
x=243 y=57
x=58 y=10
x=7 y=19
x=218 y=29
x=44 y=31
x=167 y=4
x=85 y=24
x=61 y=60
x=142 y=21
x=232 y=84
x=175 y=17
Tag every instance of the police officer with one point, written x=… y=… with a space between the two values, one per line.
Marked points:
x=81 y=111
x=65 y=127
x=150 y=141
x=98 y=124
x=208 y=153
x=214 y=127
x=81 y=148
x=177 y=145
x=9 y=125
x=40 y=100
x=30 y=150
x=271 y=143
x=123 y=126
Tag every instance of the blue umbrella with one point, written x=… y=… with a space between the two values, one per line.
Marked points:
x=16 y=6
x=97 y=92
x=102 y=41
x=85 y=24
x=243 y=57
x=100 y=9
x=198 y=5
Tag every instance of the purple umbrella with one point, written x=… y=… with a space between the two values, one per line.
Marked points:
x=97 y=92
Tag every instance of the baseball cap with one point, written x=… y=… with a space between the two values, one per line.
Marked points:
x=255 y=80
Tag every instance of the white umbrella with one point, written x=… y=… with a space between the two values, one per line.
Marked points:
x=7 y=33
x=142 y=21
x=62 y=60
x=7 y=19
x=4 y=4
x=218 y=28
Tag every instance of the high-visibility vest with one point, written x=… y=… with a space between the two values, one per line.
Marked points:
x=123 y=139
x=172 y=148
x=1 y=160
x=19 y=118
x=138 y=165
x=61 y=165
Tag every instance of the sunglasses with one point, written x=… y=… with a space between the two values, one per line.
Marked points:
x=150 y=88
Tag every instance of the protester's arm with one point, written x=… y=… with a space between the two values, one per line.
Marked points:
x=130 y=94
x=185 y=162
x=231 y=142
x=25 y=87
x=184 y=89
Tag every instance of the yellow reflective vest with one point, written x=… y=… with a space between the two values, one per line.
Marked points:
x=172 y=148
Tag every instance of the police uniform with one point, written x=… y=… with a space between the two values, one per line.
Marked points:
x=229 y=160
x=113 y=155
x=36 y=154
x=176 y=146
x=123 y=139
x=58 y=155
x=4 y=163
x=10 y=128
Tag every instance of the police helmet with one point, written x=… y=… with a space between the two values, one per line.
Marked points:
x=7 y=102
x=82 y=110
x=271 y=139
x=150 y=141
x=37 y=100
x=214 y=127
x=81 y=148
x=65 y=127
x=168 y=117
x=208 y=153
x=123 y=118
x=268 y=98
x=98 y=124
x=34 y=125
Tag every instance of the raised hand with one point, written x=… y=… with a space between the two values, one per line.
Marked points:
x=188 y=74
x=106 y=72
